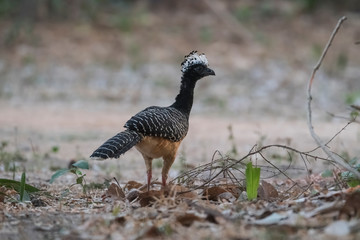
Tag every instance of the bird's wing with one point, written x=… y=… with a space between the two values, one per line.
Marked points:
x=166 y=122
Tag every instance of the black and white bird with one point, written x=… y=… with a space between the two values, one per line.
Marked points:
x=158 y=131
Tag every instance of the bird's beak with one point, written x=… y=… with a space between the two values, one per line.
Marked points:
x=209 y=71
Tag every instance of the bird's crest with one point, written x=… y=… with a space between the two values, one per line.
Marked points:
x=192 y=59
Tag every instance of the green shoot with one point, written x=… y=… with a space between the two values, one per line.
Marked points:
x=21 y=187
x=252 y=181
x=349 y=177
x=75 y=169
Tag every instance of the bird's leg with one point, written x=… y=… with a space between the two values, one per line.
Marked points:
x=164 y=180
x=168 y=161
x=148 y=162
x=149 y=175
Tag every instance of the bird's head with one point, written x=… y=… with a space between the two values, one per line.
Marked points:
x=196 y=66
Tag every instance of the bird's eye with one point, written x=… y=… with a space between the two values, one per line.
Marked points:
x=199 y=68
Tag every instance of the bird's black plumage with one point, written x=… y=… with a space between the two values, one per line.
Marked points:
x=165 y=122
x=171 y=123
x=117 y=145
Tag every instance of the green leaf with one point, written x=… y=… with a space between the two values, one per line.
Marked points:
x=78 y=172
x=350 y=178
x=252 y=181
x=353 y=182
x=58 y=174
x=79 y=180
x=81 y=164
x=22 y=187
x=16 y=185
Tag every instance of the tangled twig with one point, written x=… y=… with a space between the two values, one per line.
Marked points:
x=226 y=164
x=317 y=139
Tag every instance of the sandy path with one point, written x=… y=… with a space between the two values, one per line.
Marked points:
x=79 y=131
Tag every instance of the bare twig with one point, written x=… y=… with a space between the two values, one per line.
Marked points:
x=332 y=138
x=312 y=183
x=231 y=164
x=317 y=139
x=351 y=119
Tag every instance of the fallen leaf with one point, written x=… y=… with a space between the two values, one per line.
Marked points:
x=351 y=207
x=267 y=191
x=226 y=197
x=132 y=194
x=147 y=198
x=235 y=190
x=115 y=192
x=187 y=219
x=213 y=193
x=182 y=192
x=133 y=184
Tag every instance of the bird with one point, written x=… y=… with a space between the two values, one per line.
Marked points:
x=157 y=132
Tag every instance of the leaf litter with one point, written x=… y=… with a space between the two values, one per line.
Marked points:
x=215 y=210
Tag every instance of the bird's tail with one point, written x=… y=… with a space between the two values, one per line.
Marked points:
x=117 y=145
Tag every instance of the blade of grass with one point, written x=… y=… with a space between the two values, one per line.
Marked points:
x=22 y=187
x=252 y=180
x=8 y=183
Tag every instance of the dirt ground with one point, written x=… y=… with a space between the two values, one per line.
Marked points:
x=73 y=85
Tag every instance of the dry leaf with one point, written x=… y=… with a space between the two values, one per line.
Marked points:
x=115 y=192
x=235 y=190
x=147 y=198
x=267 y=191
x=226 y=197
x=213 y=193
x=133 y=184
x=351 y=207
x=132 y=194
x=178 y=189
x=188 y=219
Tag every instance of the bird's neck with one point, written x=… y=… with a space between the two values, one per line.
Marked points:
x=184 y=100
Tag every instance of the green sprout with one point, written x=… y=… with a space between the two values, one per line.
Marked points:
x=252 y=180
x=75 y=169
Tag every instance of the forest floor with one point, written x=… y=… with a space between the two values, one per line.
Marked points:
x=64 y=96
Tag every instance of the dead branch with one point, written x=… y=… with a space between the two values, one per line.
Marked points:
x=228 y=164
x=317 y=139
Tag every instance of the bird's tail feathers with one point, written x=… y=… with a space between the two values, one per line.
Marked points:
x=117 y=145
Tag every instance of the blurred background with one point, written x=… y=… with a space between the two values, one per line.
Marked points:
x=73 y=71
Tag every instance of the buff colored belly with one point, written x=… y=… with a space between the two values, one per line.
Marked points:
x=156 y=147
